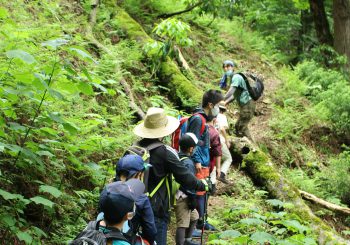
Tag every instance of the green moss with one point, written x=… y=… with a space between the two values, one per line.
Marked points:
x=130 y=26
x=181 y=89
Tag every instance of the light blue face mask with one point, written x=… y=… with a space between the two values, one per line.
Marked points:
x=229 y=73
x=215 y=111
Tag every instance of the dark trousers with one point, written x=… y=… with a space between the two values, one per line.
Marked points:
x=246 y=113
x=162 y=228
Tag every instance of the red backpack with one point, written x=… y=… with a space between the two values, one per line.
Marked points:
x=181 y=130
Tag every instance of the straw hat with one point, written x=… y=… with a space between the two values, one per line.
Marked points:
x=156 y=124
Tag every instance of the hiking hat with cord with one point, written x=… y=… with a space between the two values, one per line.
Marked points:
x=156 y=124
x=228 y=63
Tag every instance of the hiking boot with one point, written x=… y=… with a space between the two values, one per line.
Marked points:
x=223 y=179
x=207 y=227
x=191 y=243
x=196 y=233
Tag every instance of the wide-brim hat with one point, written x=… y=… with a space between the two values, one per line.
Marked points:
x=156 y=124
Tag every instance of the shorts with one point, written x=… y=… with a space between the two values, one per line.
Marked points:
x=183 y=214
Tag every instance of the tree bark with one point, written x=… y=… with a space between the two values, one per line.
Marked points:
x=321 y=23
x=264 y=173
x=325 y=204
x=341 y=17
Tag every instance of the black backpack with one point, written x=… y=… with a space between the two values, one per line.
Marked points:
x=91 y=235
x=254 y=84
x=143 y=151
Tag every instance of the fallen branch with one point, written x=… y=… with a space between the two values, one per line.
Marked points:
x=323 y=203
x=126 y=87
x=180 y=12
x=181 y=59
x=133 y=105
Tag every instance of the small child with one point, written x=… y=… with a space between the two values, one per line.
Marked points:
x=117 y=203
x=185 y=212
x=133 y=167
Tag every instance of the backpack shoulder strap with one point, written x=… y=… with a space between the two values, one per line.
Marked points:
x=154 y=145
x=183 y=158
x=204 y=121
x=115 y=235
x=93 y=225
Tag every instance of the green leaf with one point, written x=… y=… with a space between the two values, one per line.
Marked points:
x=3 y=13
x=9 y=196
x=55 y=116
x=43 y=201
x=85 y=88
x=7 y=220
x=71 y=127
x=16 y=126
x=44 y=153
x=262 y=237
x=39 y=232
x=252 y=221
x=294 y=225
x=83 y=54
x=230 y=234
x=55 y=43
x=51 y=190
x=20 y=54
x=275 y=203
x=24 y=236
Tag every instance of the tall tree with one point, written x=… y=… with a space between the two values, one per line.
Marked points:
x=341 y=16
x=323 y=32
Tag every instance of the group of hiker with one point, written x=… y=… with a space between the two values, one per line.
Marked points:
x=153 y=176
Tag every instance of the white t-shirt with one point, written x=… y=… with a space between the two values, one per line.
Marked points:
x=222 y=123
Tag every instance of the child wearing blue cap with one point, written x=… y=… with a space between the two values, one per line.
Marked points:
x=117 y=203
x=133 y=167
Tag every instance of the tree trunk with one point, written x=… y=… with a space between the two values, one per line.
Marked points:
x=341 y=16
x=181 y=90
x=321 y=23
x=264 y=173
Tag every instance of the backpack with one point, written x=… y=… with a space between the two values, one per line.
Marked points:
x=254 y=84
x=181 y=130
x=91 y=235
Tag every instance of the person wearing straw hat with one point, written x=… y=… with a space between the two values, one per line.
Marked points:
x=165 y=162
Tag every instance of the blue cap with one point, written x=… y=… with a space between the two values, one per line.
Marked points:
x=131 y=164
x=118 y=198
x=228 y=62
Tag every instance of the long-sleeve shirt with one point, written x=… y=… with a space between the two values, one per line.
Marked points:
x=165 y=161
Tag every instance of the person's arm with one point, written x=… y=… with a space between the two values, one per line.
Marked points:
x=229 y=97
x=218 y=165
x=149 y=230
x=182 y=174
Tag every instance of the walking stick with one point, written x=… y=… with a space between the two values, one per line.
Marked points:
x=205 y=212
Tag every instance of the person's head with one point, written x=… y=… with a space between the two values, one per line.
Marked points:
x=156 y=125
x=117 y=201
x=211 y=120
x=187 y=143
x=228 y=66
x=210 y=102
x=130 y=166
x=222 y=108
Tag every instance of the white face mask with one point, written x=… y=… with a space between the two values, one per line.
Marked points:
x=215 y=111
x=229 y=73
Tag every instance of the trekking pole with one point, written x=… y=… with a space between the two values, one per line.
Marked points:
x=205 y=213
